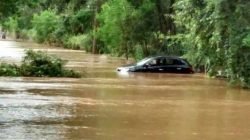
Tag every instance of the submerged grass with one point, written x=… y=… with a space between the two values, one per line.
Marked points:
x=38 y=64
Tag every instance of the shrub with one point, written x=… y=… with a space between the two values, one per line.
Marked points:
x=38 y=64
x=9 y=70
x=78 y=42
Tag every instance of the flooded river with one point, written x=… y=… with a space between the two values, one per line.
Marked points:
x=106 y=105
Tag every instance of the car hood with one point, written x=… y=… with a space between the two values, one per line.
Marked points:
x=126 y=68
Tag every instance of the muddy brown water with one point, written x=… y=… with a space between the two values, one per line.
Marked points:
x=106 y=105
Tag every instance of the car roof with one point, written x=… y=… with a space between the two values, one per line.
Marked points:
x=166 y=56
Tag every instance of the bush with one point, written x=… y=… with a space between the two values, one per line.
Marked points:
x=38 y=64
x=44 y=24
x=78 y=42
x=9 y=70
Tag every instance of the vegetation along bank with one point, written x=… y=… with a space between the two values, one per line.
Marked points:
x=209 y=33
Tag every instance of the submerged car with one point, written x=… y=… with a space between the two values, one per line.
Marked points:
x=159 y=64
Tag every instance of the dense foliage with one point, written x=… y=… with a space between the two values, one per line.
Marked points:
x=44 y=25
x=214 y=34
x=38 y=64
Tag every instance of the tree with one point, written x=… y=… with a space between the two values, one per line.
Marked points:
x=115 y=26
x=44 y=24
x=214 y=32
x=7 y=8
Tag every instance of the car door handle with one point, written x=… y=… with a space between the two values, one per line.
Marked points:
x=179 y=68
x=161 y=69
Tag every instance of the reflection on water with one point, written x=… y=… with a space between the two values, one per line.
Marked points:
x=10 y=52
x=118 y=106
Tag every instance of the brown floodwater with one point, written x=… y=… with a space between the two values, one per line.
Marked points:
x=106 y=105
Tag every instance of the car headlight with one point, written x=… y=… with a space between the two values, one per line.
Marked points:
x=126 y=69
x=123 y=69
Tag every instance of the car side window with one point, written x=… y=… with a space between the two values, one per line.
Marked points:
x=178 y=62
x=162 y=61
x=153 y=62
x=169 y=62
x=158 y=62
x=174 y=62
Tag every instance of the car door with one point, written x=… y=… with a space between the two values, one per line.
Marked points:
x=177 y=66
x=155 y=65
x=167 y=65
x=173 y=65
x=161 y=64
x=180 y=66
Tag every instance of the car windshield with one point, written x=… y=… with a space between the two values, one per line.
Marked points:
x=143 y=61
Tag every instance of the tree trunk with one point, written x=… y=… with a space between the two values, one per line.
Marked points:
x=166 y=22
x=94 y=49
x=171 y=24
x=162 y=20
x=127 y=50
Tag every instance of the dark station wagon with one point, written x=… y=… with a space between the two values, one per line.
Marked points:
x=159 y=64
